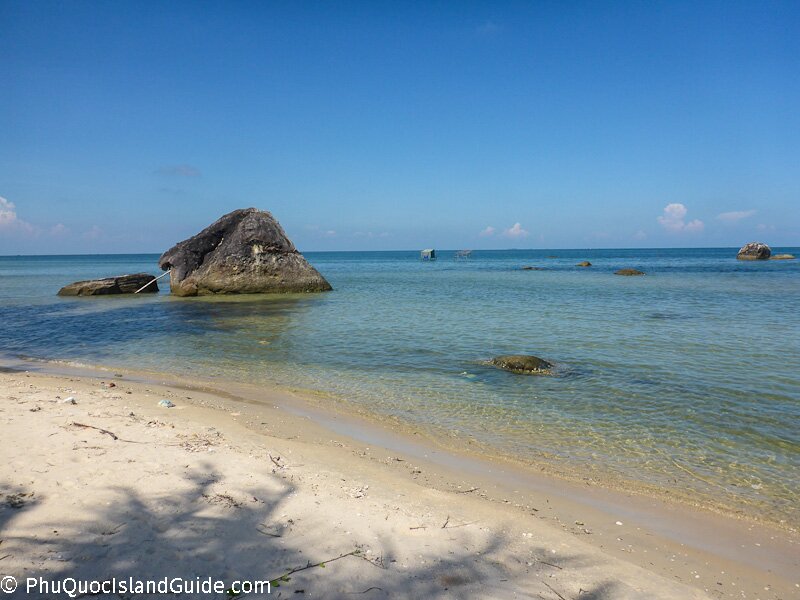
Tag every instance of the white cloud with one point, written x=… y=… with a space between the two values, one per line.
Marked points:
x=516 y=231
x=8 y=213
x=317 y=230
x=93 y=233
x=763 y=227
x=640 y=235
x=694 y=226
x=488 y=232
x=735 y=216
x=59 y=229
x=673 y=220
x=9 y=220
x=371 y=235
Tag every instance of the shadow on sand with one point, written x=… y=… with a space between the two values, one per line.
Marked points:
x=199 y=533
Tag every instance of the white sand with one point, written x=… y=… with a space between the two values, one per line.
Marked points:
x=191 y=492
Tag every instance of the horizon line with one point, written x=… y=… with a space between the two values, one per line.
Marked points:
x=415 y=250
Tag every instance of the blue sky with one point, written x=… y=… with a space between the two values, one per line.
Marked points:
x=376 y=125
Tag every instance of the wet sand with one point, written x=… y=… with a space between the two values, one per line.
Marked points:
x=251 y=483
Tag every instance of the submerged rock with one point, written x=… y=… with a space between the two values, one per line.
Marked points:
x=585 y=263
x=527 y=268
x=523 y=364
x=122 y=284
x=782 y=257
x=629 y=272
x=754 y=251
x=243 y=252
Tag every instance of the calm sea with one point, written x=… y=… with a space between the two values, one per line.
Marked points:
x=685 y=379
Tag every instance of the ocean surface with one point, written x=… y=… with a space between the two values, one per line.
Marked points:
x=687 y=379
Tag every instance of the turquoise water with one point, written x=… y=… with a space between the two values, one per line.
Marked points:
x=687 y=379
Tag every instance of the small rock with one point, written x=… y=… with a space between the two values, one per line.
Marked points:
x=69 y=400
x=585 y=263
x=527 y=268
x=523 y=364
x=165 y=404
x=754 y=251
x=629 y=272
x=782 y=257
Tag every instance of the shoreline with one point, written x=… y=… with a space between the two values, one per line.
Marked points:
x=655 y=531
x=372 y=426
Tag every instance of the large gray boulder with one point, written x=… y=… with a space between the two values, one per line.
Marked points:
x=754 y=251
x=122 y=284
x=244 y=252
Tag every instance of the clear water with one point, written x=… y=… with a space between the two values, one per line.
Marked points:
x=685 y=379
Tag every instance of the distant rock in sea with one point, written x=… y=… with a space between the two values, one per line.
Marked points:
x=243 y=252
x=528 y=268
x=523 y=364
x=754 y=251
x=629 y=272
x=585 y=263
x=122 y=284
x=782 y=257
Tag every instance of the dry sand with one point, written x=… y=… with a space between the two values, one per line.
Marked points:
x=116 y=486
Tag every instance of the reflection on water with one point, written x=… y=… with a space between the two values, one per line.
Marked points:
x=686 y=378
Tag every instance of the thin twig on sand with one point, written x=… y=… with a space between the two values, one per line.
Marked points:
x=114 y=436
x=285 y=577
x=552 y=590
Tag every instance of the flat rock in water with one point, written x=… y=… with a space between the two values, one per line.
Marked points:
x=523 y=364
x=629 y=272
x=782 y=257
x=585 y=263
x=122 y=284
x=243 y=252
x=754 y=251
x=527 y=268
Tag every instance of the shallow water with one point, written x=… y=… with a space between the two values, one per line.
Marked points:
x=687 y=378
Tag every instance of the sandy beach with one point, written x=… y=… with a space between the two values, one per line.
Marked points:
x=99 y=482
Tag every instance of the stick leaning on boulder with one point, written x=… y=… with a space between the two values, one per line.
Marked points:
x=151 y=281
